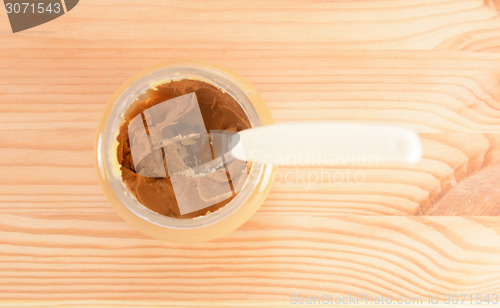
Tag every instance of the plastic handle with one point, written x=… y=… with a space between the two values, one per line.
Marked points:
x=327 y=143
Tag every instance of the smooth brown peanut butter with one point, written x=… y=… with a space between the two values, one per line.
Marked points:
x=219 y=111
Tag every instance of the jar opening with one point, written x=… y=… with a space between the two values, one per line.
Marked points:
x=169 y=126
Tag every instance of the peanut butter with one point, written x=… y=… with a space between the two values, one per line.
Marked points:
x=219 y=110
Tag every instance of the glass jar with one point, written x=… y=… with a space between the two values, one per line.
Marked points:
x=201 y=228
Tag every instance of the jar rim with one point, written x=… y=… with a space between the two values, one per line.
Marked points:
x=107 y=158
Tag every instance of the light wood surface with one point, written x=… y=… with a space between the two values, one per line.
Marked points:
x=433 y=66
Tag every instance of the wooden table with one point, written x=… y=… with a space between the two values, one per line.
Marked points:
x=430 y=65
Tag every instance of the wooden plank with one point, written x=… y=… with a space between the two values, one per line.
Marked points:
x=429 y=65
x=270 y=257
x=449 y=98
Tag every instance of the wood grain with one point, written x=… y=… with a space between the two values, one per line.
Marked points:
x=450 y=98
x=433 y=66
x=269 y=258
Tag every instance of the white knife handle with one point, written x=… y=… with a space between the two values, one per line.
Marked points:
x=327 y=143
